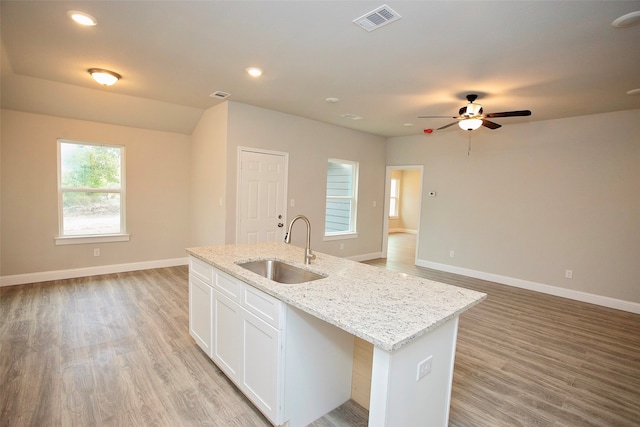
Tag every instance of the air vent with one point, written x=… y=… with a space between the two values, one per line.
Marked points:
x=351 y=116
x=377 y=18
x=220 y=95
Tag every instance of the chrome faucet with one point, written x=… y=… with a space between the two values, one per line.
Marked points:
x=308 y=255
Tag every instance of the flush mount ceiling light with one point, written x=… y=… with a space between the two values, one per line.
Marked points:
x=470 y=124
x=82 y=18
x=628 y=20
x=104 y=77
x=254 y=71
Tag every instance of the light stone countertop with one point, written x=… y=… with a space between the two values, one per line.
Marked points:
x=386 y=308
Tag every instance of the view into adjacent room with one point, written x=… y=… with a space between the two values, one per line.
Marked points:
x=404 y=196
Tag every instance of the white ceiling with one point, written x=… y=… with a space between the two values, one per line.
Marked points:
x=556 y=58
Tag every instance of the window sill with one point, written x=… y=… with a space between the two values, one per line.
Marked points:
x=79 y=240
x=341 y=236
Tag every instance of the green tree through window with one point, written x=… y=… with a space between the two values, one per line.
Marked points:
x=91 y=189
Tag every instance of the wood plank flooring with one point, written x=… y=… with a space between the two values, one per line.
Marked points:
x=114 y=350
x=530 y=359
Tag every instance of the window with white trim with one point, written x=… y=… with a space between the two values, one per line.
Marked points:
x=394 y=198
x=342 y=190
x=91 y=191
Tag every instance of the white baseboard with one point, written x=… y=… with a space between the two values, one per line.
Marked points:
x=403 y=230
x=604 y=301
x=45 y=276
x=365 y=257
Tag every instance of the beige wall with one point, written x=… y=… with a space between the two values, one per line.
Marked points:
x=410 y=199
x=310 y=144
x=208 y=172
x=535 y=199
x=157 y=194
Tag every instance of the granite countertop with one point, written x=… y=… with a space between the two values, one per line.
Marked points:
x=386 y=308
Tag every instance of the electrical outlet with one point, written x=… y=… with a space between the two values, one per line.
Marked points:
x=451 y=254
x=424 y=368
x=96 y=252
x=568 y=274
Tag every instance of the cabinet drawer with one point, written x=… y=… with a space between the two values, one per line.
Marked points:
x=201 y=270
x=229 y=287
x=263 y=306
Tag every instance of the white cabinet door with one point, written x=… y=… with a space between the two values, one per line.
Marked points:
x=262 y=364
x=200 y=313
x=227 y=335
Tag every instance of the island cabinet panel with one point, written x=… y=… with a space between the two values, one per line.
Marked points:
x=201 y=313
x=292 y=366
x=227 y=332
x=401 y=397
x=201 y=270
x=241 y=328
x=262 y=365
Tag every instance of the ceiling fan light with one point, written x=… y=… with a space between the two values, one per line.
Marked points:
x=473 y=109
x=104 y=77
x=470 y=124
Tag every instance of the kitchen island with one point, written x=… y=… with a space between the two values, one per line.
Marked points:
x=411 y=322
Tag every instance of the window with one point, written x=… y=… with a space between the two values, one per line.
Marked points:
x=91 y=192
x=342 y=190
x=394 y=198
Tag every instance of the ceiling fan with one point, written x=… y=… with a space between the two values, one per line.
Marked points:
x=471 y=116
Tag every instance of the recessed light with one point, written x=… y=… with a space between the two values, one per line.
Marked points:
x=634 y=92
x=408 y=125
x=332 y=100
x=82 y=18
x=254 y=71
x=628 y=20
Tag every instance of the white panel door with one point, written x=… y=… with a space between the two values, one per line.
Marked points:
x=261 y=196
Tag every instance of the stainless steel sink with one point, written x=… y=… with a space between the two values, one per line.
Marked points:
x=280 y=272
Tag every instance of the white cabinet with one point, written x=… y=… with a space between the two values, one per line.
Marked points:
x=239 y=327
x=200 y=305
x=262 y=365
x=250 y=335
x=227 y=329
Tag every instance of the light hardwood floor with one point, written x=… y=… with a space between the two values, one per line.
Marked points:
x=114 y=350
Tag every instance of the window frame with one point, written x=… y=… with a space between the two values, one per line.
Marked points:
x=120 y=236
x=353 y=214
x=394 y=196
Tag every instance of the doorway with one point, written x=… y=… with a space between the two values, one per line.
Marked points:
x=262 y=195
x=407 y=198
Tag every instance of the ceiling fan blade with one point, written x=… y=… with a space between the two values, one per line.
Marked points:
x=437 y=117
x=446 y=126
x=509 y=114
x=490 y=125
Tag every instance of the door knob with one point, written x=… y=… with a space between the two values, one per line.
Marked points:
x=280 y=225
